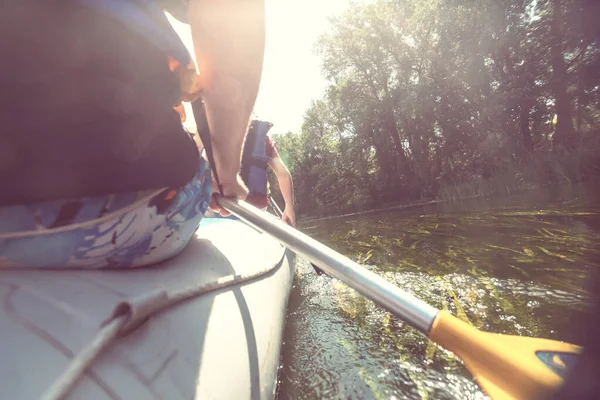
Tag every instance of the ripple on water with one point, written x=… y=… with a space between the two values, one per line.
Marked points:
x=344 y=346
x=505 y=271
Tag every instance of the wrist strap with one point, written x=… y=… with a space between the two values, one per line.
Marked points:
x=204 y=133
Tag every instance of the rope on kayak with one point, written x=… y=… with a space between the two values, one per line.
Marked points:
x=129 y=315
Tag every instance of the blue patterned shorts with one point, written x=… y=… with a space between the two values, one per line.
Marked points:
x=114 y=231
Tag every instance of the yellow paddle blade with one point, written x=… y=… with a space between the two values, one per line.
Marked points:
x=506 y=366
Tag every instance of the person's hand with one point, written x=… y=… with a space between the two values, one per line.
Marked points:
x=289 y=217
x=181 y=111
x=231 y=188
x=190 y=83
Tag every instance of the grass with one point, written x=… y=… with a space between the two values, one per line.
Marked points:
x=544 y=167
x=541 y=169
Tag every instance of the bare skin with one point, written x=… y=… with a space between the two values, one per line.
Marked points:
x=287 y=189
x=229 y=42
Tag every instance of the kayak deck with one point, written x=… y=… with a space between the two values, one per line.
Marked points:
x=222 y=345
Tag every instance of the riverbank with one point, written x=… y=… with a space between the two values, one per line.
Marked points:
x=541 y=169
x=509 y=178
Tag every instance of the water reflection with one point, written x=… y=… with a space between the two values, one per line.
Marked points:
x=517 y=266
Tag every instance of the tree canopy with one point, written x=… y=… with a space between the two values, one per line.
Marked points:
x=427 y=94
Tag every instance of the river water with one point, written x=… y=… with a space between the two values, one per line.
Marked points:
x=516 y=265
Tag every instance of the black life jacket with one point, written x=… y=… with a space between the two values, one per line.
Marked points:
x=81 y=117
x=145 y=17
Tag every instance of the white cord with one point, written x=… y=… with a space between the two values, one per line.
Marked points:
x=133 y=313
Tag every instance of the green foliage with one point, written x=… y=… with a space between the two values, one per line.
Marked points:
x=430 y=95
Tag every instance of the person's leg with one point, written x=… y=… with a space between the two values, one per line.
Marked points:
x=118 y=231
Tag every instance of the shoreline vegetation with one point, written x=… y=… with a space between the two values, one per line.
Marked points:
x=543 y=169
x=441 y=101
x=547 y=170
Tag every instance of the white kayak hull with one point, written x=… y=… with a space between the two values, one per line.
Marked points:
x=223 y=344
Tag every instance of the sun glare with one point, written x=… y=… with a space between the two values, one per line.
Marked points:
x=292 y=72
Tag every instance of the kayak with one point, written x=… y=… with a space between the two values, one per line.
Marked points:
x=206 y=324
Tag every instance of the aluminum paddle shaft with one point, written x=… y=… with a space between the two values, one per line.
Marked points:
x=400 y=303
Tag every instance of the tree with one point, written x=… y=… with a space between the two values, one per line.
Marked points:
x=428 y=93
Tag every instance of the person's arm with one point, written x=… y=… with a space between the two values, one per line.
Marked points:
x=229 y=41
x=287 y=189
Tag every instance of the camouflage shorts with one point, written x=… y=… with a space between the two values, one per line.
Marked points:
x=114 y=231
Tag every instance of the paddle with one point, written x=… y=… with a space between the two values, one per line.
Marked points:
x=505 y=366
x=279 y=213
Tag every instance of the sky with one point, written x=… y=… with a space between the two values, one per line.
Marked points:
x=291 y=76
